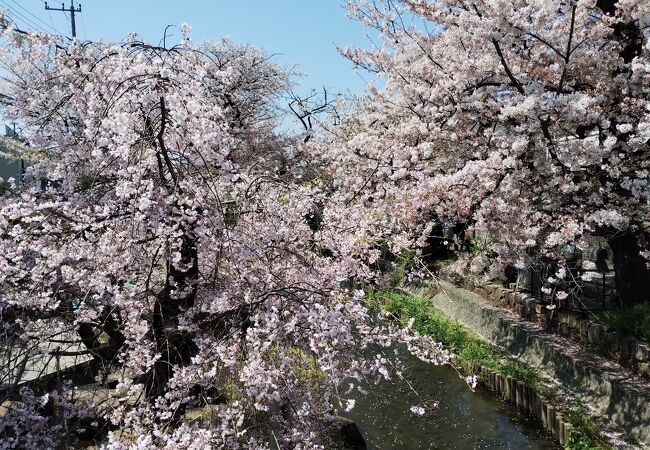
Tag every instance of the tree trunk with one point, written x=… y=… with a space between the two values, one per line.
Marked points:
x=175 y=346
x=631 y=272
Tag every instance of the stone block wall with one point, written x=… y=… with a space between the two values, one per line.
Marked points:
x=528 y=401
x=627 y=351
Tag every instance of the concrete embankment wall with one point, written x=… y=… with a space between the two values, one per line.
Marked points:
x=604 y=386
x=528 y=401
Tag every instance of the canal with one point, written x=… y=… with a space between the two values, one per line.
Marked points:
x=454 y=416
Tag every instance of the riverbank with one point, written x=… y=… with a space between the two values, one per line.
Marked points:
x=451 y=417
x=525 y=385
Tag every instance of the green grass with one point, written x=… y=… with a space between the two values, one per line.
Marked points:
x=632 y=321
x=470 y=351
x=584 y=434
x=397 y=275
x=4 y=186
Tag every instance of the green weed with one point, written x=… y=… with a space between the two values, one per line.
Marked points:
x=584 y=434
x=470 y=351
x=632 y=321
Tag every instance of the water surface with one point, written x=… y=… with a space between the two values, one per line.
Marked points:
x=462 y=419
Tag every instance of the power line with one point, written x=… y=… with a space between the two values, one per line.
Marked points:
x=50 y=14
x=67 y=19
x=36 y=17
x=17 y=15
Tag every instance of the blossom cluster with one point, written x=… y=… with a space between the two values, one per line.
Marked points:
x=526 y=122
x=170 y=237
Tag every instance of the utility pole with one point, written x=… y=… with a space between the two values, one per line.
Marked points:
x=71 y=10
x=22 y=161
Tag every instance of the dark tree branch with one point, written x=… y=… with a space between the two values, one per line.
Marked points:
x=514 y=80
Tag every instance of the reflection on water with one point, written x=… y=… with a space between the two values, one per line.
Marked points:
x=455 y=417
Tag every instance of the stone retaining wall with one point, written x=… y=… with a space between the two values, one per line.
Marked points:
x=627 y=351
x=528 y=401
x=622 y=401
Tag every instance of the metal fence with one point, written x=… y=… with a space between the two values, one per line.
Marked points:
x=590 y=280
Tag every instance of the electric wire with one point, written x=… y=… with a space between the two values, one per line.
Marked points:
x=35 y=17
x=49 y=13
x=17 y=15
x=67 y=19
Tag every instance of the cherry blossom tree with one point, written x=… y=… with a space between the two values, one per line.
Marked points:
x=526 y=121
x=170 y=242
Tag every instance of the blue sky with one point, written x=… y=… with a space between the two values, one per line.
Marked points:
x=304 y=33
